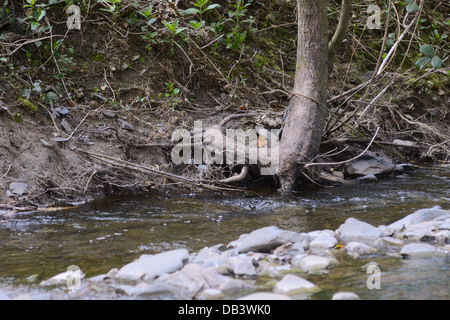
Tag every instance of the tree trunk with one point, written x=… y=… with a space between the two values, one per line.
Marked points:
x=306 y=115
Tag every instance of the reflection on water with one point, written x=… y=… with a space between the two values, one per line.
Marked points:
x=110 y=233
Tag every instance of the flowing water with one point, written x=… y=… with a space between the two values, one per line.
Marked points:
x=109 y=233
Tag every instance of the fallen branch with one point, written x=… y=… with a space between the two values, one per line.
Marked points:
x=346 y=161
x=352 y=140
x=154 y=172
x=238 y=177
x=236 y=116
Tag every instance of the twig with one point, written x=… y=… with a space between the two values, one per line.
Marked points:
x=7 y=171
x=235 y=116
x=346 y=161
x=145 y=170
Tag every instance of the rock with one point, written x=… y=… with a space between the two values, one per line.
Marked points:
x=210 y=294
x=62 y=111
x=63 y=278
x=417 y=234
x=66 y=126
x=355 y=230
x=154 y=290
x=211 y=258
x=193 y=278
x=109 y=114
x=418 y=217
x=322 y=243
x=443 y=236
x=18 y=188
x=154 y=265
x=243 y=265
x=345 y=296
x=385 y=241
x=422 y=250
x=355 y=249
x=311 y=263
x=289 y=249
x=267 y=238
x=270 y=269
x=292 y=284
x=445 y=226
x=369 y=163
x=265 y=296
x=234 y=285
x=125 y=125
x=4 y=296
x=368 y=178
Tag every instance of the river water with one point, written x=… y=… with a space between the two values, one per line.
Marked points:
x=104 y=234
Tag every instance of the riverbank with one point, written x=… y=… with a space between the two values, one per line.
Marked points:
x=111 y=91
x=267 y=263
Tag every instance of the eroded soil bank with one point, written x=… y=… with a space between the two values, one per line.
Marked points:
x=105 y=91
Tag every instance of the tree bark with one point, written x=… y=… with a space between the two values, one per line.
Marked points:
x=306 y=115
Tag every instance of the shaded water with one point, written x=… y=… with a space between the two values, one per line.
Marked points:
x=105 y=234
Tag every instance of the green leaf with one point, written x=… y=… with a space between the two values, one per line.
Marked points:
x=436 y=62
x=427 y=49
x=422 y=62
x=412 y=7
x=152 y=21
x=197 y=24
x=191 y=11
x=212 y=6
x=35 y=25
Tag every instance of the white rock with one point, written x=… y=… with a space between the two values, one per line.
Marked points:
x=388 y=241
x=153 y=290
x=355 y=230
x=355 y=249
x=265 y=296
x=4 y=296
x=212 y=294
x=267 y=238
x=242 y=265
x=154 y=265
x=292 y=284
x=418 y=217
x=289 y=249
x=422 y=250
x=192 y=278
x=417 y=234
x=234 y=285
x=311 y=263
x=64 y=278
x=209 y=258
x=445 y=226
x=322 y=243
x=442 y=235
x=269 y=269
x=345 y=296
x=317 y=233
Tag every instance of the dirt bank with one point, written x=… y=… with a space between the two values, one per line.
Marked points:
x=106 y=92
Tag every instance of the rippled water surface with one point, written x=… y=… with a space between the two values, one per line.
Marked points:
x=110 y=233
